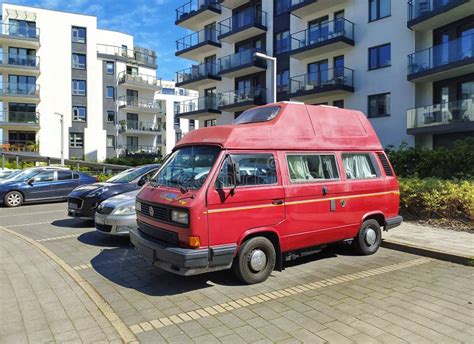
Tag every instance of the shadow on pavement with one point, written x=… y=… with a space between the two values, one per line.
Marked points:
x=73 y=223
x=96 y=238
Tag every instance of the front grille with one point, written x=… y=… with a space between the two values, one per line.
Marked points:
x=105 y=210
x=385 y=164
x=103 y=228
x=159 y=233
x=76 y=201
x=161 y=213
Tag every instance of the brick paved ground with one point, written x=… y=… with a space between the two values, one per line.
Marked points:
x=336 y=297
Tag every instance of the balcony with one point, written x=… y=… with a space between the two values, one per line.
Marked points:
x=202 y=75
x=138 y=55
x=19 y=146
x=243 y=99
x=140 y=151
x=198 y=45
x=328 y=38
x=195 y=13
x=14 y=63
x=199 y=108
x=19 y=91
x=231 y=4
x=139 y=81
x=19 y=120
x=313 y=86
x=442 y=61
x=242 y=63
x=452 y=117
x=425 y=15
x=246 y=25
x=304 y=8
x=139 y=104
x=139 y=127
x=20 y=34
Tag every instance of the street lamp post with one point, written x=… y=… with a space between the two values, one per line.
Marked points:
x=273 y=60
x=61 y=119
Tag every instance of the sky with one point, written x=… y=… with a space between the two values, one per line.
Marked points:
x=151 y=22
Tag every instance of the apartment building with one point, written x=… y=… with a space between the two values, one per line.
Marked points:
x=407 y=65
x=65 y=80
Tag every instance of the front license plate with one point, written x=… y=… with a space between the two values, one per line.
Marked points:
x=147 y=253
x=73 y=206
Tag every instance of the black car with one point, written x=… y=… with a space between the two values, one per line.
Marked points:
x=83 y=201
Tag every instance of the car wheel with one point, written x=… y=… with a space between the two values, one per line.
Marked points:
x=368 y=240
x=255 y=260
x=13 y=199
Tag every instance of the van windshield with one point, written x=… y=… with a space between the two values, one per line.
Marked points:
x=187 y=167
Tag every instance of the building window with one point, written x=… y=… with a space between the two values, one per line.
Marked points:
x=110 y=141
x=192 y=123
x=76 y=140
x=110 y=67
x=79 y=114
x=176 y=120
x=379 y=9
x=379 y=105
x=78 y=61
x=176 y=107
x=167 y=90
x=282 y=42
x=210 y=123
x=110 y=92
x=282 y=81
x=282 y=6
x=380 y=56
x=79 y=87
x=110 y=116
x=78 y=34
x=338 y=103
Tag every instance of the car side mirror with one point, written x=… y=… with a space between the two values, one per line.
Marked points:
x=31 y=181
x=141 y=182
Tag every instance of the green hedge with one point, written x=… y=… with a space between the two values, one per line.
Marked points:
x=131 y=161
x=432 y=198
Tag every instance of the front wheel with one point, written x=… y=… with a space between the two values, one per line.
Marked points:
x=369 y=238
x=13 y=199
x=255 y=261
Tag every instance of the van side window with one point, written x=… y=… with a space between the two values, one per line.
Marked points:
x=360 y=166
x=255 y=169
x=311 y=167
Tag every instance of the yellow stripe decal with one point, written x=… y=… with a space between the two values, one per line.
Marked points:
x=223 y=210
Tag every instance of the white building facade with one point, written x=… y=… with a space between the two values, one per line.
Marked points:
x=57 y=64
x=408 y=65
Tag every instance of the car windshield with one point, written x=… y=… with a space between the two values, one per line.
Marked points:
x=187 y=167
x=129 y=175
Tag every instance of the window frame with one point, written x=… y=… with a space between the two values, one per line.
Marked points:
x=378 y=95
x=107 y=67
x=107 y=88
x=78 y=39
x=297 y=181
x=377 y=15
x=378 y=47
x=75 y=143
x=115 y=116
x=74 y=107
x=79 y=66
x=373 y=160
x=107 y=141
x=74 y=92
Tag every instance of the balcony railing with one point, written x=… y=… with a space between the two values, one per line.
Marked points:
x=199 y=104
x=7 y=59
x=329 y=78
x=196 y=72
x=130 y=54
x=248 y=94
x=20 y=30
x=127 y=150
x=138 y=102
x=197 y=38
x=19 y=117
x=246 y=18
x=420 y=8
x=340 y=28
x=239 y=59
x=455 y=51
x=441 y=114
x=15 y=89
x=196 y=5
x=132 y=125
x=147 y=80
x=19 y=146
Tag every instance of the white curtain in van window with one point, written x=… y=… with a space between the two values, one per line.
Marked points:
x=298 y=166
x=357 y=166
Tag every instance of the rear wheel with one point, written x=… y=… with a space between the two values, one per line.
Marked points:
x=13 y=199
x=369 y=238
x=255 y=260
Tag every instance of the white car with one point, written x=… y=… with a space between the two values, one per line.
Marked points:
x=116 y=215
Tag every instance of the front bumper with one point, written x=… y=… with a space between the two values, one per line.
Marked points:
x=82 y=206
x=115 y=224
x=393 y=222
x=182 y=261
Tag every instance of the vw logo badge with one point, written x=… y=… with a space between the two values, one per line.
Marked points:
x=151 y=211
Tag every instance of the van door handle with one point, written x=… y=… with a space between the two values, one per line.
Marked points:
x=277 y=202
x=325 y=190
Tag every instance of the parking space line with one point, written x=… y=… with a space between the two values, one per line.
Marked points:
x=35 y=213
x=59 y=237
x=264 y=297
x=28 y=224
x=107 y=262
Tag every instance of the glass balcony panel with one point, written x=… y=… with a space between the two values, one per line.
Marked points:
x=198 y=104
x=238 y=59
x=19 y=89
x=257 y=94
x=419 y=8
x=242 y=19
x=20 y=29
x=19 y=146
x=19 y=117
x=323 y=78
x=196 y=38
x=132 y=54
x=139 y=79
x=194 y=6
x=196 y=72
x=139 y=102
x=19 y=60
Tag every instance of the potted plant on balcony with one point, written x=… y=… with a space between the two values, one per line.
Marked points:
x=123 y=125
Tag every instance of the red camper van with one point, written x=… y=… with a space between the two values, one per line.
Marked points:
x=283 y=181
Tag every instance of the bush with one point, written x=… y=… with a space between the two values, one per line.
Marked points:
x=456 y=162
x=132 y=161
x=437 y=199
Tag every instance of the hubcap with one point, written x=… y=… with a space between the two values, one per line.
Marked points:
x=370 y=237
x=14 y=199
x=258 y=260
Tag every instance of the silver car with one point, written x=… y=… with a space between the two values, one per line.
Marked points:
x=116 y=215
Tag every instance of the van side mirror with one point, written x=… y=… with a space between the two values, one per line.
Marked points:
x=234 y=171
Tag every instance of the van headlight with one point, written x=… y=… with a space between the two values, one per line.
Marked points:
x=138 y=206
x=179 y=216
x=125 y=210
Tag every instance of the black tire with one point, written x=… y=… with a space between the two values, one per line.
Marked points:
x=242 y=267
x=362 y=244
x=13 y=199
